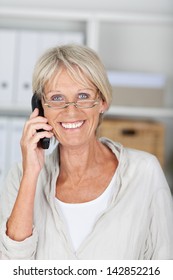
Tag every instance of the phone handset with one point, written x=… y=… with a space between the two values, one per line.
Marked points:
x=36 y=103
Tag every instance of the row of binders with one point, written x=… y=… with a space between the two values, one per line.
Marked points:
x=19 y=50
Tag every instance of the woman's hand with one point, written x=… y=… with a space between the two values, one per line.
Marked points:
x=32 y=153
x=20 y=222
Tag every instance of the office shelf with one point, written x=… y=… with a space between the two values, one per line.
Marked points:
x=94 y=25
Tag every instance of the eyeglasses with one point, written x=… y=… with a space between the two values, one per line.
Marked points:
x=62 y=104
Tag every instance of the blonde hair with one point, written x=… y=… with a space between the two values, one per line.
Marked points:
x=81 y=62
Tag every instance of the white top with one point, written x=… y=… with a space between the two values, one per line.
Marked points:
x=80 y=218
x=137 y=223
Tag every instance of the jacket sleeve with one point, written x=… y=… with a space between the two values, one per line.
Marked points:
x=160 y=232
x=10 y=249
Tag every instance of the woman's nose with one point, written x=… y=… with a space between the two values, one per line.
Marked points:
x=71 y=108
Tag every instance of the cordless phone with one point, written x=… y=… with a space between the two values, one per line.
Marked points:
x=36 y=103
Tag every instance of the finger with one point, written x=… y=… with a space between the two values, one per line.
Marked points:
x=31 y=130
x=34 y=121
x=38 y=126
x=35 y=113
x=34 y=139
x=40 y=135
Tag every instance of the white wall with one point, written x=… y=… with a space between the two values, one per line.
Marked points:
x=154 y=6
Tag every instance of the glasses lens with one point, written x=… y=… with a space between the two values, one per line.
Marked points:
x=86 y=103
x=56 y=104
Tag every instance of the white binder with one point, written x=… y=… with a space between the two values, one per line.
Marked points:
x=7 y=60
x=27 y=56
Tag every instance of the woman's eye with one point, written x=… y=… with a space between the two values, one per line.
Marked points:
x=83 y=95
x=57 y=98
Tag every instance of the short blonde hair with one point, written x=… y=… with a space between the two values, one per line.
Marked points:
x=80 y=61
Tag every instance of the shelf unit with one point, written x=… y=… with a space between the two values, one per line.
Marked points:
x=142 y=112
x=91 y=24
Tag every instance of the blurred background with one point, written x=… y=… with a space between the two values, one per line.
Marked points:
x=134 y=39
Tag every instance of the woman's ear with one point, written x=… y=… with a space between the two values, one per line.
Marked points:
x=103 y=106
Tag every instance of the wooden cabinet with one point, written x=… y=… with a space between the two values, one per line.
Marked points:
x=142 y=135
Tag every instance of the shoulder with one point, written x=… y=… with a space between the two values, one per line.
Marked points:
x=132 y=156
x=138 y=166
x=139 y=157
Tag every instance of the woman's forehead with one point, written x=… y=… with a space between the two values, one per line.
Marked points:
x=74 y=73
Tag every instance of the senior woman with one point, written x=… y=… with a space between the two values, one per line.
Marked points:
x=90 y=198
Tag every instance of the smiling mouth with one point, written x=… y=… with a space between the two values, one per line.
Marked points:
x=72 y=125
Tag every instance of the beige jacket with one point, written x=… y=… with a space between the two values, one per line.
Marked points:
x=138 y=223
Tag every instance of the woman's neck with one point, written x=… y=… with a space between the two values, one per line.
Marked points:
x=77 y=160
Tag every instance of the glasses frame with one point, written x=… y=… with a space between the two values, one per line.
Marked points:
x=95 y=102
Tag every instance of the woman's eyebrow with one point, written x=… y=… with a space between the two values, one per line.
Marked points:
x=52 y=91
x=92 y=89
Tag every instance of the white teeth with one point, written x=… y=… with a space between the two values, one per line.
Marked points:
x=72 y=125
